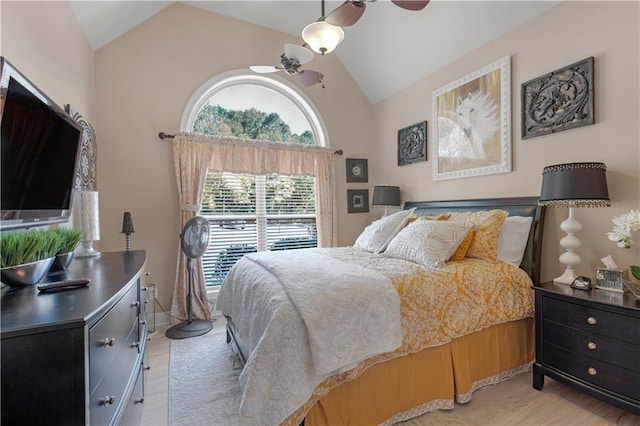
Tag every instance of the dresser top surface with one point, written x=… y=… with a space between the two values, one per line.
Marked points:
x=25 y=309
x=605 y=297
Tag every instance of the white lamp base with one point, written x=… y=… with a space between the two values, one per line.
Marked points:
x=85 y=249
x=566 y=278
x=569 y=259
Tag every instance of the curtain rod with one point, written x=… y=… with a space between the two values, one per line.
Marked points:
x=163 y=135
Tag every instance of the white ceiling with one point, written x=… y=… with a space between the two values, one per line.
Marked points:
x=387 y=50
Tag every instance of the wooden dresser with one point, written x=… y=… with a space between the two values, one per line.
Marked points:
x=589 y=340
x=76 y=356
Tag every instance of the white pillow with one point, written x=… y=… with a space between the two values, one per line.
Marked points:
x=376 y=236
x=513 y=239
x=428 y=242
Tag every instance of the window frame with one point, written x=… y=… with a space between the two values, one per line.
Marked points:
x=244 y=77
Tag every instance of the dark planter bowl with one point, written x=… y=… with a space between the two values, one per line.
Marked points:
x=62 y=261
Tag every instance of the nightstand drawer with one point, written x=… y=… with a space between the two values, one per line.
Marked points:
x=609 y=350
x=604 y=323
x=602 y=374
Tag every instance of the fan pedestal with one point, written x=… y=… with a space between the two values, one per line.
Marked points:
x=194 y=240
x=187 y=329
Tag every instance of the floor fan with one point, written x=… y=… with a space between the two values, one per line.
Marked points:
x=194 y=241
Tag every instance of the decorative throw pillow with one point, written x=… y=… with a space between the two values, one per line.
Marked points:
x=487 y=226
x=513 y=239
x=462 y=249
x=377 y=236
x=428 y=242
x=443 y=216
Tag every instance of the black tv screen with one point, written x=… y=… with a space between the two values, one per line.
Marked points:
x=40 y=145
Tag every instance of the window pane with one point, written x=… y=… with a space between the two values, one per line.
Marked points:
x=230 y=204
x=228 y=193
x=290 y=194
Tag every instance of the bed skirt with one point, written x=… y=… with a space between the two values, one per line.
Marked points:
x=432 y=379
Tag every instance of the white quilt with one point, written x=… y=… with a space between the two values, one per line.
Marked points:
x=305 y=316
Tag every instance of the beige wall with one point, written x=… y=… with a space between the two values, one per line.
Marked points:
x=45 y=42
x=569 y=32
x=145 y=78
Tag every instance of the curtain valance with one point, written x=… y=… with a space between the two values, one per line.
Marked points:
x=229 y=154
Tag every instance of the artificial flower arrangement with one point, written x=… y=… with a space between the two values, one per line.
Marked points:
x=623 y=226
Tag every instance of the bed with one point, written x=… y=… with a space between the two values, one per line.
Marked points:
x=459 y=327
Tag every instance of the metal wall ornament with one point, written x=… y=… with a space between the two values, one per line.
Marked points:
x=560 y=100
x=357 y=200
x=85 y=179
x=412 y=144
x=471 y=124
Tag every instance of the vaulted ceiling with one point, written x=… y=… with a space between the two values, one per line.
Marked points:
x=387 y=50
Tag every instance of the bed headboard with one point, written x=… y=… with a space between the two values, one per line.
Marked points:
x=520 y=206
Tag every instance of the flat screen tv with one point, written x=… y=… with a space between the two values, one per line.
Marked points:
x=40 y=149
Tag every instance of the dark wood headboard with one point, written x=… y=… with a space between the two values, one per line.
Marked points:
x=520 y=206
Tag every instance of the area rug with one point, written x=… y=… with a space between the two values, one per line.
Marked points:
x=203 y=382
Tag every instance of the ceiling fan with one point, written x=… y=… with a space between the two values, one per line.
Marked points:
x=291 y=60
x=350 y=11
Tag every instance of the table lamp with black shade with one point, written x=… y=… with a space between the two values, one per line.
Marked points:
x=385 y=195
x=573 y=185
x=127 y=229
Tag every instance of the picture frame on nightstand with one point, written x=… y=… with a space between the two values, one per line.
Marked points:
x=611 y=279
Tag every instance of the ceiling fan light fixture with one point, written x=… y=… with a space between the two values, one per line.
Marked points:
x=322 y=37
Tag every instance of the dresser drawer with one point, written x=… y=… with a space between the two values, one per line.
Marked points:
x=111 y=335
x=111 y=387
x=593 y=371
x=135 y=406
x=622 y=327
x=609 y=350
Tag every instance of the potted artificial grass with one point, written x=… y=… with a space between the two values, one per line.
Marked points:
x=69 y=239
x=27 y=256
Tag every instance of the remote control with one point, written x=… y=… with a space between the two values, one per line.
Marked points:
x=63 y=284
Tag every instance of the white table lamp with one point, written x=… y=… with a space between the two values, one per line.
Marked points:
x=573 y=185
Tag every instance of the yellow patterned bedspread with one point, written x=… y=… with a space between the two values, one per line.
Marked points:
x=439 y=305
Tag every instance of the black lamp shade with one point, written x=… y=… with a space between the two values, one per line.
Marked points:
x=127 y=223
x=386 y=196
x=575 y=185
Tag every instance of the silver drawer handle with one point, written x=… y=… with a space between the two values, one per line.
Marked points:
x=591 y=320
x=136 y=303
x=108 y=341
x=591 y=345
x=138 y=401
x=592 y=371
x=135 y=345
x=108 y=400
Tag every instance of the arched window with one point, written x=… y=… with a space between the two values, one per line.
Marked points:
x=250 y=213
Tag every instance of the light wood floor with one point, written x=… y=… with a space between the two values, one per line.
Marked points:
x=513 y=402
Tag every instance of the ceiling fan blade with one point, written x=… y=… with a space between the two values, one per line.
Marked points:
x=411 y=4
x=309 y=77
x=346 y=14
x=299 y=53
x=263 y=69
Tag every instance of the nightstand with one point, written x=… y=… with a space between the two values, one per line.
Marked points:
x=589 y=340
